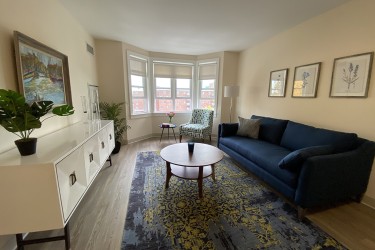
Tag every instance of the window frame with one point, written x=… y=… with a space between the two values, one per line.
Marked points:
x=173 y=78
x=142 y=58
x=216 y=82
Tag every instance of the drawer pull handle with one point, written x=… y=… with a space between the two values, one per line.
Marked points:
x=73 y=178
x=110 y=136
x=91 y=157
x=103 y=145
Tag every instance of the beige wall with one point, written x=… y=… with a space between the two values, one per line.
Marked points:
x=344 y=31
x=48 y=22
x=113 y=79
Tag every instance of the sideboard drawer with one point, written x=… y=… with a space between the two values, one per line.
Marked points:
x=103 y=146
x=72 y=181
x=91 y=158
x=111 y=138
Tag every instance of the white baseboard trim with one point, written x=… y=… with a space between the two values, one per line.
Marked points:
x=157 y=135
x=368 y=201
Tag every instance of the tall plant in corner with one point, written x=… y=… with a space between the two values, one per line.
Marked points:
x=21 y=118
x=112 y=111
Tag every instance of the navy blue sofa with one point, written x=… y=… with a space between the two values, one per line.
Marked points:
x=310 y=166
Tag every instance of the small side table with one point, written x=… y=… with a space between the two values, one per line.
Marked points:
x=168 y=126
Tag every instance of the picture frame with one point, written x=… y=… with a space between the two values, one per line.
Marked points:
x=305 y=81
x=277 y=84
x=42 y=72
x=351 y=75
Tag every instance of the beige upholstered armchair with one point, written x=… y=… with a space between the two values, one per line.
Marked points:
x=200 y=124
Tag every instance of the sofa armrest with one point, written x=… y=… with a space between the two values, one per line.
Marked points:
x=328 y=178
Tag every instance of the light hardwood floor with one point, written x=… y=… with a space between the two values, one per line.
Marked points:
x=98 y=222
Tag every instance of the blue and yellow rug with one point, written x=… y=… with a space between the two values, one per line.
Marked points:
x=236 y=212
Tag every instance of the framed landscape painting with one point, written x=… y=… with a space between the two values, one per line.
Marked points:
x=305 y=82
x=351 y=75
x=277 y=83
x=42 y=72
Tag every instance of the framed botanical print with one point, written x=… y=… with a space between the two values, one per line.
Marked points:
x=351 y=75
x=278 y=79
x=305 y=82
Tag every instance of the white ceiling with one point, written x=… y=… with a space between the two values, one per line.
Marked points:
x=193 y=27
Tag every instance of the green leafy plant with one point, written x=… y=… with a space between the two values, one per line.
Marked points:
x=20 y=118
x=112 y=111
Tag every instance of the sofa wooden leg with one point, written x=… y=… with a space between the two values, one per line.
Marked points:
x=301 y=213
x=180 y=138
x=210 y=138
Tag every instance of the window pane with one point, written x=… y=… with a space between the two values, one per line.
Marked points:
x=167 y=93
x=208 y=84
x=183 y=93
x=163 y=82
x=183 y=83
x=139 y=106
x=138 y=92
x=207 y=104
x=183 y=105
x=208 y=94
x=162 y=105
x=136 y=80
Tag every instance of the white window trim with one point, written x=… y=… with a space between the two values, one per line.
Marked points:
x=198 y=90
x=147 y=85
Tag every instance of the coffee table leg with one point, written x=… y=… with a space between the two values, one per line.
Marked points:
x=169 y=174
x=200 y=181
x=213 y=172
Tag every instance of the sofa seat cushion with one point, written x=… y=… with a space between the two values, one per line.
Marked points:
x=297 y=136
x=266 y=155
x=271 y=129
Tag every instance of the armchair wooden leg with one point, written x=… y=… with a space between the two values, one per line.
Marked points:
x=210 y=137
x=180 y=138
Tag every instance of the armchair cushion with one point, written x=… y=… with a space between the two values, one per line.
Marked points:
x=200 y=124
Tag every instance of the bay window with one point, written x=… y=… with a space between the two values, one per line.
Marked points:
x=166 y=85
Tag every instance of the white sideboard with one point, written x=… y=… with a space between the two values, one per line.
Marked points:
x=41 y=191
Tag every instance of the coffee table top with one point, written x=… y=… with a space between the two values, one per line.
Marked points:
x=203 y=155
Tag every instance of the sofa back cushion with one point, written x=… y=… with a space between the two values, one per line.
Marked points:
x=271 y=129
x=297 y=136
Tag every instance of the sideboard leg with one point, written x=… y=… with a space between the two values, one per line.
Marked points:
x=110 y=161
x=67 y=236
x=19 y=239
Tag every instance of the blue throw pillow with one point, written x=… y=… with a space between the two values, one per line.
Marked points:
x=228 y=129
x=294 y=160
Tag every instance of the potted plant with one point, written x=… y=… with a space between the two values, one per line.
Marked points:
x=21 y=118
x=112 y=111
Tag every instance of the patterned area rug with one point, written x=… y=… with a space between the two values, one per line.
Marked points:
x=236 y=212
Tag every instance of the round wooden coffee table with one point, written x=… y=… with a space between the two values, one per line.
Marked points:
x=191 y=166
